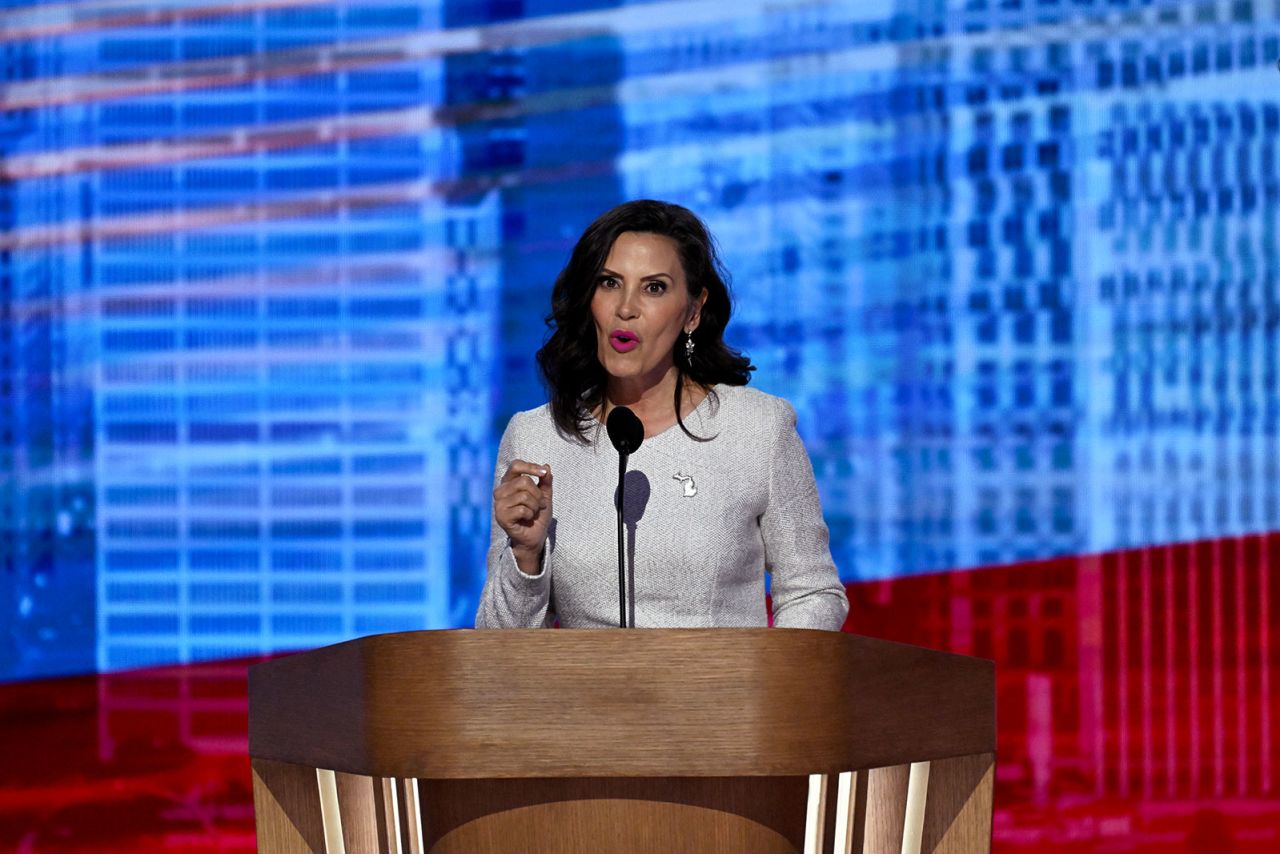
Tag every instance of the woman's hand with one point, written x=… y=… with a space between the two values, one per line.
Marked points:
x=522 y=509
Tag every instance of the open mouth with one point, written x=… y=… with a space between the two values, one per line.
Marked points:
x=622 y=340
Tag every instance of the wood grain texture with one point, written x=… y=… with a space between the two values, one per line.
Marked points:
x=775 y=803
x=830 y=808
x=958 y=817
x=727 y=702
x=885 y=815
x=858 y=820
x=616 y=826
x=286 y=807
x=360 y=815
x=389 y=803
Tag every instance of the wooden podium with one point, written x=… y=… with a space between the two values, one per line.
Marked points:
x=683 y=740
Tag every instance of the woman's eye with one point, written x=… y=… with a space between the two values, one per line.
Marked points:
x=656 y=287
x=607 y=282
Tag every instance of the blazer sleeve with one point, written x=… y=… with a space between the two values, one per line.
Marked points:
x=806 y=588
x=510 y=598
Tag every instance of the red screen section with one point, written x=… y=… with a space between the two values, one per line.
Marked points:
x=1136 y=712
x=1136 y=706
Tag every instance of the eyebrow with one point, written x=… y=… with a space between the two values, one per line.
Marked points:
x=605 y=271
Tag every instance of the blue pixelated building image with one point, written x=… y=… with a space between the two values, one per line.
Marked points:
x=47 y=444
x=273 y=282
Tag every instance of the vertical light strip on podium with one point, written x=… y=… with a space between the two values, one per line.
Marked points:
x=412 y=818
x=846 y=818
x=913 y=822
x=330 y=814
x=815 y=813
x=842 y=836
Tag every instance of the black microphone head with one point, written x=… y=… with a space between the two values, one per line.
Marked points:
x=625 y=430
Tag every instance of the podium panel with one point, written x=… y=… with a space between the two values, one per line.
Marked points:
x=735 y=740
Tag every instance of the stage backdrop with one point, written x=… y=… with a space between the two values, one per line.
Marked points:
x=273 y=272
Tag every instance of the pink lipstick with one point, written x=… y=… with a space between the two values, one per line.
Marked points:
x=623 y=340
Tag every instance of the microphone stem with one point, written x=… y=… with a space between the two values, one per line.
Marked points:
x=622 y=565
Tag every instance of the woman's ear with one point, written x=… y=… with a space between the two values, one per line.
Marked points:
x=695 y=312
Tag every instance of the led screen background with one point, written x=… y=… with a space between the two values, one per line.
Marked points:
x=272 y=274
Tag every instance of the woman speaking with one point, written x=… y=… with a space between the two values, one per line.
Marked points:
x=721 y=488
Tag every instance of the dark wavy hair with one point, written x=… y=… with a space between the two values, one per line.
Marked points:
x=574 y=377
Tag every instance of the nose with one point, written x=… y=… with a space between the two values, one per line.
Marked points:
x=626 y=307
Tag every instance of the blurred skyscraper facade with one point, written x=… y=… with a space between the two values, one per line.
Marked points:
x=1015 y=263
x=316 y=372
x=274 y=273
x=47 y=490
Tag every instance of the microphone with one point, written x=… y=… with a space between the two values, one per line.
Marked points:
x=626 y=433
x=625 y=430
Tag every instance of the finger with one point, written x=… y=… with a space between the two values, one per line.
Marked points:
x=544 y=483
x=523 y=487
x=521 y=467
x=511 y=517
x=524 y=507
x=526 y=514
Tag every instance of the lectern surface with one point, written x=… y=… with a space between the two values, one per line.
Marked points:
x=735 y=740
x=603 y=703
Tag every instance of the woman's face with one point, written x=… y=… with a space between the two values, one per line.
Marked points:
x=640 y=305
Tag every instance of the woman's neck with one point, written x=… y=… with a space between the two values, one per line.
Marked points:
x=652 y=403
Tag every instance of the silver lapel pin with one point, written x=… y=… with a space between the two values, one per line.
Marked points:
x=690 y=488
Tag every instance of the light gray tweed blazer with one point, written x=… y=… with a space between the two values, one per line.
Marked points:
x=704 y=522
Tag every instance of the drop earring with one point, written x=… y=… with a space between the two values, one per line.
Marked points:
x=688 y=347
